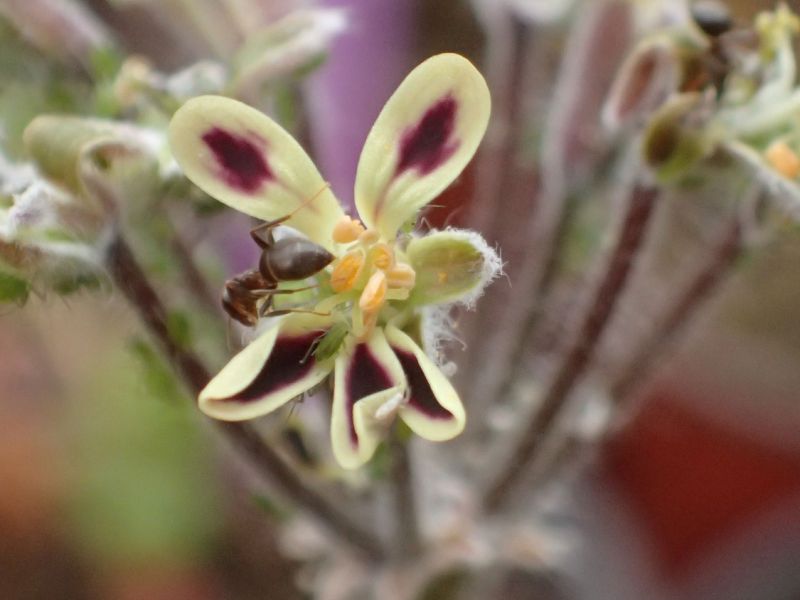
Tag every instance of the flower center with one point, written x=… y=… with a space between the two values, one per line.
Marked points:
x=371 y=268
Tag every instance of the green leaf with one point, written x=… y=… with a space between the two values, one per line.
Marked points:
x=13 y=289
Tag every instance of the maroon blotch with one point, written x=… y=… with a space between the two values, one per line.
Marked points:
x=364 y=377
x=291 y=359
x=242 y=163
x=421 y=396
x=427 y=144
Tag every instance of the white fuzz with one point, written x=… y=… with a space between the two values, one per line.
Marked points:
x=492 y=265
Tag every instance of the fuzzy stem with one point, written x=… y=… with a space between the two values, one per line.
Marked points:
x=568 y=447
x=701 y=287
x=195 y=280
x=407 y=539
x=134 y=285
x=628 y=241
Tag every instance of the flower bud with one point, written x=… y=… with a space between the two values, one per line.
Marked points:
x=676 y=137
x=80 y=154
x=450 y=265
x=644 y=82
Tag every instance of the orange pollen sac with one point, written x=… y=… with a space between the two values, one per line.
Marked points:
x=374 y=294
x=347 y=230
x=382 y=256
x=783 y=159
x=401 y=276
x=368 y=237
x=346 y=271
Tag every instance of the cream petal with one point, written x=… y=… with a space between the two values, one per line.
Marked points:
x=423 y=138
x=246 y=160
x=368 y=377
x=433 y=410
x=273 y=369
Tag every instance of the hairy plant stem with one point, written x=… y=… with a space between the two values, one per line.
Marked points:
x=407 y=539
x=569 y=447
x=195 y=280
x=707 y=279
x=637 y=214
x=134 y=285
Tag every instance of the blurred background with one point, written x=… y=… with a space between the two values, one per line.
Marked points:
x=111 y=486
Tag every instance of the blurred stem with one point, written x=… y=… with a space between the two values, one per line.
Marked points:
x=549 y=261
x=727 y=250
x=134 y=285
x=496 y=167
x=195 y=280
x=639 y=208
x=407 y=540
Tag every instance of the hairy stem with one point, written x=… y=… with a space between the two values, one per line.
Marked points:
x=699 y=289
x=134 y=285
x=407 y=540
x=572 y=366
x=195 y=280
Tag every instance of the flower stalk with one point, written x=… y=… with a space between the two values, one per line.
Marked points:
x=407 y=538
x=702 y=286
x=637 y=215
x=134 y=285
x=570 y=447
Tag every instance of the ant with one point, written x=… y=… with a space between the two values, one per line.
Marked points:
x=291 y=258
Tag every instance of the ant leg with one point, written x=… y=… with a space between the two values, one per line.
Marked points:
x=286 y=311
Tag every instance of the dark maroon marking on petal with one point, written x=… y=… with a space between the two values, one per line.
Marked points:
x=427 y=145
x=421 y=396
x=291 y=359
x=365 y=376
x=242 y=162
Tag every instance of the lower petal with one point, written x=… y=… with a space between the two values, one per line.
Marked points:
x=273 y=369
x=369 y=386
x=433 y=410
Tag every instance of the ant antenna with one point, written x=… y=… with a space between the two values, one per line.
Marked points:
x=308 y=201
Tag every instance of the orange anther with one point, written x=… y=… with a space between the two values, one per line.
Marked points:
x=374 y=294
x=382 y=256
x=347 y=230
x=346 y=271
x=401 y=276
x=370 y=236
x=783 y=159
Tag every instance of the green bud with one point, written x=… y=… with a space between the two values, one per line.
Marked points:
x=451 y=266
x=88 y=157
x=677 y=137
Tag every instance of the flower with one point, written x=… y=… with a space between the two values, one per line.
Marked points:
x=379 y=296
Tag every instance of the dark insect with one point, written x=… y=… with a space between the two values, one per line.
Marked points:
x=712 y=16
x=291 y=258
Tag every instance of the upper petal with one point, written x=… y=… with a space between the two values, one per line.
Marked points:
x=246 y=160
x=423 y=138
x=369 y=386
x=276 y=367
x=433 y=410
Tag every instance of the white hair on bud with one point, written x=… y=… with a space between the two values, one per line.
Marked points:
x=491 y=269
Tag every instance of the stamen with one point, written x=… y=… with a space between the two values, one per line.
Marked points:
x=374 y=294
x=347 y=230
x=783 y=159
x=369 y=237
x=401 y=275
x=346 y=271
x=382 y=256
